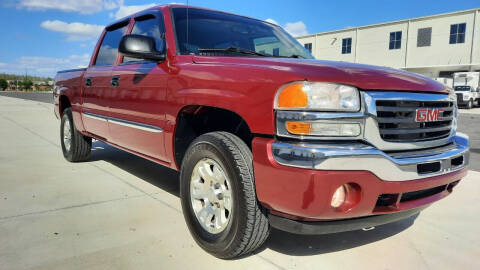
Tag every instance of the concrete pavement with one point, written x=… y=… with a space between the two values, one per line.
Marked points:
x=119 y=211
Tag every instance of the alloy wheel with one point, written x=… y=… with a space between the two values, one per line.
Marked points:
x=211 y=196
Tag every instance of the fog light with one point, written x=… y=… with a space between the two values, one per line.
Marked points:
x=346 y=197
x=339 y=197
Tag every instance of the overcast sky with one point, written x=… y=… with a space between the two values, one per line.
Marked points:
x=43 y=36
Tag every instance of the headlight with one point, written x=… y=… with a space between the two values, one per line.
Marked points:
x=318 y=96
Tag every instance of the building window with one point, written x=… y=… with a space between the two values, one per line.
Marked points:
x=424 y=37
x=457 y=33
x=308 y=46
x=346 y=45
x=276 y=52
x=395 y=40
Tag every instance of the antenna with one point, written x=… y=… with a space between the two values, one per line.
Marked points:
x=188 y=25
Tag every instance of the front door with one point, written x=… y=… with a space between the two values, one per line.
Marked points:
x=137 y=104
x=95 y=106
x=97 y=84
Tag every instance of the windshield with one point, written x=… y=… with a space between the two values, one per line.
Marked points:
x=217 y=30
x=462 y=88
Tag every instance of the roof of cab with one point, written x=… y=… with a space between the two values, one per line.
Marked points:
x=122 y=20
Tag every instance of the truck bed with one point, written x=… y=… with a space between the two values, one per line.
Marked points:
x=69 y=82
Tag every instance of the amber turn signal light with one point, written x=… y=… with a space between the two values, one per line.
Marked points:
x=293 y=96
x=299 y=128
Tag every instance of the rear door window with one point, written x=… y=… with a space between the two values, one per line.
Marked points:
x=109 y=48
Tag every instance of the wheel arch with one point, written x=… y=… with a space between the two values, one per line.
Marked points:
x=63 y=103
x=195 y=120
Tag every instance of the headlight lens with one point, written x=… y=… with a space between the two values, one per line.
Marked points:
x=318 y=96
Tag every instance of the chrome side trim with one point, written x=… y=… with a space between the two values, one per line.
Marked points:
x=135 y=125
x=358 y=156
x=130 y=124
x=95 y=116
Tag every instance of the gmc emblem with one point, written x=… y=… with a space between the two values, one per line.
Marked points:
x=429 y=115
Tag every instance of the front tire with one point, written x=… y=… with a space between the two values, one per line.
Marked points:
x=470 y=104
x=217 y=192
x=75 y=146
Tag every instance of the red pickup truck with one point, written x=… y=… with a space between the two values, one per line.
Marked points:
x=263 y=134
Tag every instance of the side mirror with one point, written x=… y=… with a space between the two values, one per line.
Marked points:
x=142 y=47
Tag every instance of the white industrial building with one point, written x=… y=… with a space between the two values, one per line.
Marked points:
x=436 y=46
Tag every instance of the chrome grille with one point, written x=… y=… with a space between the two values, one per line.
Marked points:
x=396 y=120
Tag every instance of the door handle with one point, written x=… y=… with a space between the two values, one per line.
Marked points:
x=115 y=81
x=88 y=82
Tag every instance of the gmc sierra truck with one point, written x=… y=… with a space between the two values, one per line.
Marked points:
x=263 y=135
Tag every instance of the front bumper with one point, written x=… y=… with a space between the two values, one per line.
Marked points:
x=336 y=226
x=302 y=189
x=402 y=166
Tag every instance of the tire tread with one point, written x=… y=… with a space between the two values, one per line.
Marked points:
x=257 y=227
x=81 y=145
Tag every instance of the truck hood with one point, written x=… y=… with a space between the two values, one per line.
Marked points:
x=366 y=77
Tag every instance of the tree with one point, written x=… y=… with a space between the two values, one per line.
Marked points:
x=3 y=84
x=27 y=85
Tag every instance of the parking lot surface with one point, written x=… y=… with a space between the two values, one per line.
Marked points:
x=119 y=211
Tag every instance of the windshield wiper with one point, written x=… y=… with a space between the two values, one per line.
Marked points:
x=232 y=49
x=295 y=56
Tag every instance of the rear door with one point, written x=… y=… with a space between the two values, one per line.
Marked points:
x=138 y=104
x=97 y=85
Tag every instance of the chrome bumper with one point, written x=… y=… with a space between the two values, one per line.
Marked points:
x=400 y=166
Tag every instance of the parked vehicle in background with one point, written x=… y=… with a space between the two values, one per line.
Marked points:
x=467 y=88
x=262 y=134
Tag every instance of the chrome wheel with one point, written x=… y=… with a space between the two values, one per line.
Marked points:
x=211 y=196
x=67 y=135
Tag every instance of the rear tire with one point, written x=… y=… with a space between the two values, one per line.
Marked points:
x=75 y=146
x=228 y=158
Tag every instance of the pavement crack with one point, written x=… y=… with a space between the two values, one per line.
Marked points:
x=29 y=130
x=451 y=233
x=70 y=207
x=271 y=262
x=103 y=170
x=419 y=253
